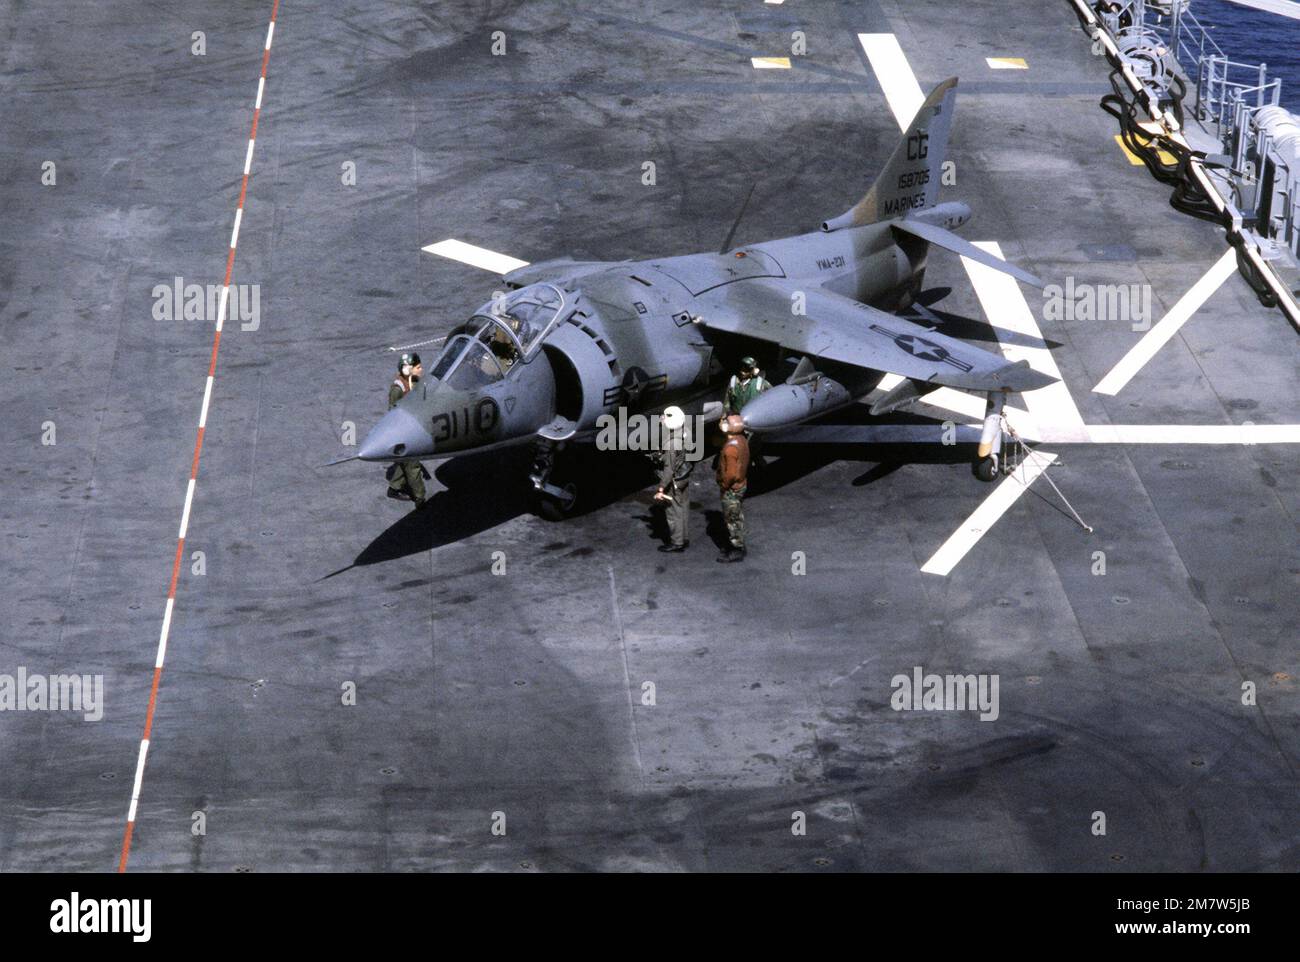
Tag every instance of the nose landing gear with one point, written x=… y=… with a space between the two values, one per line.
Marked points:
x=554 y=502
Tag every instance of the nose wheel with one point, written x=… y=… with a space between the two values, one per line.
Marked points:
x=555 y=502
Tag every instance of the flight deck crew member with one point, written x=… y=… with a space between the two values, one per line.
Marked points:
x=745 y=385
x=406 y=478
x=674 y=491
x=732 y=473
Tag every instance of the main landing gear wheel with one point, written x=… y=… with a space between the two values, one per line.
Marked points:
x=557 y=507
x=986 y=469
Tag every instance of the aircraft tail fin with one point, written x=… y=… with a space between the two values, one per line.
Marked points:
x=910 y=178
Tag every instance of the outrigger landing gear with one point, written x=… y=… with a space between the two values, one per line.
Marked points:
x=990 y=464
x=554 y=502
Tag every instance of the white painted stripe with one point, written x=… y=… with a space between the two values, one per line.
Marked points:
x=185 y=515
x=261 y=82
x=1052 y=408
x=770 y=63
x=475 y=256
x=1168 y=326
x=986 y=515
x=1246 y=434
x=1223 y=434
x=1006 y=63
x=894 y=73
x=162 y=635
x=872 y=434
x=947 y=401
x=185 y=512
x=221 y=308
x=139 y=779
x=207 y=398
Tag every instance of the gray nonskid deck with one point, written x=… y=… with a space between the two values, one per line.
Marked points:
x=522 y=693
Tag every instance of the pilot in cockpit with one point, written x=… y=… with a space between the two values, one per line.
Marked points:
x=502 y=345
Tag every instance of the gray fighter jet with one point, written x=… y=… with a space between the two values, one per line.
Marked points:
x=574 y=340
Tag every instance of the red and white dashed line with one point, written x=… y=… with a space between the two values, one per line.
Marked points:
x=194 y=463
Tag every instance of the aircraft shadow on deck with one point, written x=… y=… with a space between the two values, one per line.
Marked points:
x=484 y=490
x=970 y=328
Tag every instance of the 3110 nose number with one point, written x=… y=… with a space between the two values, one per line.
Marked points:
x=480 y=419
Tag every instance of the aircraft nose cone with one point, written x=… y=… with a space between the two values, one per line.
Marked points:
x=397 y=435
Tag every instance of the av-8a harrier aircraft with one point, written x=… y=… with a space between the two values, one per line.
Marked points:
x=575 y=340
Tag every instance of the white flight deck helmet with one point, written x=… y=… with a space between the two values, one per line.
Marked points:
x=674 y=418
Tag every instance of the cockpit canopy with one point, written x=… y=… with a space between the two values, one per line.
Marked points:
x=505 y=331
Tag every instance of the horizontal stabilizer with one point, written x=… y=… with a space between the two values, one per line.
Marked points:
x=959 y=245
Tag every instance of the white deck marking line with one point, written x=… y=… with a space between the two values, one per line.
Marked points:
x=770 y=63
x=952 y=401
x=207 y=399
x=475 y=256
x=1052 y=408
x=894 y=74
x=139 y=778
x=1245 y=434
x=261 y=83
x=1169 y=325
x=874 y=434
x=1006 y=63
x=248 y=157
x=221 y=308
x=185 y=512
x=904 y=96
x=162 y=635
x=986 y=515
x=125 y=853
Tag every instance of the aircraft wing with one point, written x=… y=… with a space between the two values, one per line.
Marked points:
x=840 y=329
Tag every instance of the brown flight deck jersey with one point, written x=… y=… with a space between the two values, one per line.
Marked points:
x=733 y=463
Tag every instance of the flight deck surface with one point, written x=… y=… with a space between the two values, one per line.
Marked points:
x=523 y=692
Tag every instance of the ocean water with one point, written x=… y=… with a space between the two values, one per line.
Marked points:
x=1252 y=36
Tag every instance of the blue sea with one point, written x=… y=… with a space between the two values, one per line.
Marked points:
x=1252 y=36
